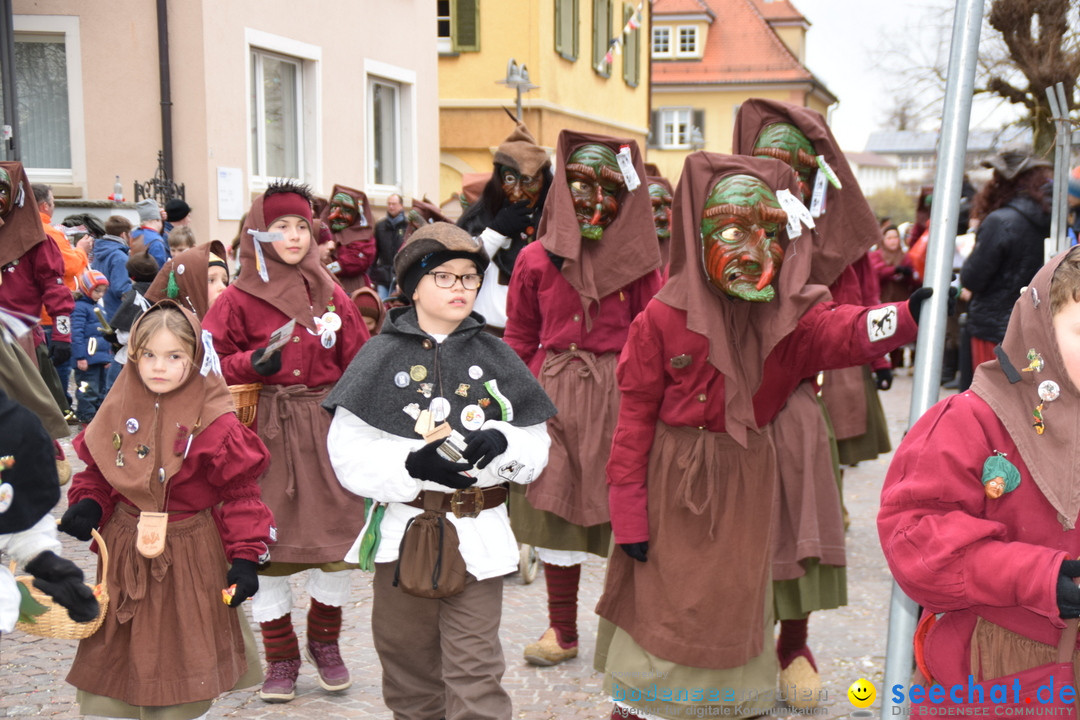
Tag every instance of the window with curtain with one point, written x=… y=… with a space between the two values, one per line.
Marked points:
x=384 y=113
x=41 y=85
x=631 y=48
x=566 y=28
x=277 y=97
x=601 y=35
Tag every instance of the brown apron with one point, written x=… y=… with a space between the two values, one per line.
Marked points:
x=574 y=483
x=700 y=599
x=317 y=519
x=167 y=638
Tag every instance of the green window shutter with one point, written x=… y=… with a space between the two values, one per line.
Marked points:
x=631 y=49
x=653 y=139
x=466 y=19
x=698 y=121
x=601 y=35
x=566 y=28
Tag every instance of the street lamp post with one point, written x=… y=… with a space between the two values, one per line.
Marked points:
x=517 y=77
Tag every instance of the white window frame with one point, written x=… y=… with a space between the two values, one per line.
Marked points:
x=676 y=42
x=405 y=79
x=666 y=29
x=310 y=103
x=68 y=27
x=671 y=116
x=445 y=45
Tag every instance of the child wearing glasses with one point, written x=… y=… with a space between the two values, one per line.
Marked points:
x=433 y=370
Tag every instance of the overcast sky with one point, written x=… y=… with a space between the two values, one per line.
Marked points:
x=844 y=50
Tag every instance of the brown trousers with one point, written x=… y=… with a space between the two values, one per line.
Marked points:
x=440 y=658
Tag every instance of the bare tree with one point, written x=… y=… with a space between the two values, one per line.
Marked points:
x=1043 y=49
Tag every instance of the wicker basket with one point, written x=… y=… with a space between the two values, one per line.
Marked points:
x=246 y=399
x=55 y=622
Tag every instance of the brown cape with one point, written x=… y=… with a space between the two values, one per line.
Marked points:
x=189 y=270
x=21 y=228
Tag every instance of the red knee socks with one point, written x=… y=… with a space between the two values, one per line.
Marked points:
x=279 y=639
x=562 y=588
x=323 y=622
x=792 y=642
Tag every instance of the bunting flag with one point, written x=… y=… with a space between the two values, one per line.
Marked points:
x=616 y=43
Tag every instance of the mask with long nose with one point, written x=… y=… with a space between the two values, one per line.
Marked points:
x=789 y=144
x=595 y=184
x=739 y=229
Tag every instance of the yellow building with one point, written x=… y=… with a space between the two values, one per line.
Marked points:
x=708 y=56
x=562 y=44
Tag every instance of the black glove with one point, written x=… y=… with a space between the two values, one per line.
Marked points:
x=110 y=337
x=884 y=378
x=639 y=550
x=62 y=580
x=512 y=220
x=915 y=302
x=265 y=364
x=1068 y=592
x=904 y=271
x=60 y=352
x=427 y=464
x=483 y=446
x=242 y=574
x=81 y=518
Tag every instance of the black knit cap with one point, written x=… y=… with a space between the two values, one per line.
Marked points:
x=431 y=246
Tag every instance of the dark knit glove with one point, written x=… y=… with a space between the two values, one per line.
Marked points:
x=1068 y=592
x=639 y=550
x=242 y=574
x=884 y=378
x=265 y=364
x=512 y=220
x=62 y=580
x=81 y=518
x=483 y=446
x=427 y=464
x=60 y=352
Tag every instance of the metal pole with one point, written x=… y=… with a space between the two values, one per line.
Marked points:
x=1065 y=141
x=519 y=103
x=1055 y=215
x=944 y=215
x=165 y=81
x=7 y=78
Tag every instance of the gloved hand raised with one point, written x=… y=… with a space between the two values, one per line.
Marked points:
x=1068 y=592
x=81 y=518
x=512 y=220
x=916 y=301
x=62 y=580
x=639 y=550
x=266 y=364
x=427 y=464
x=242 y=574
x=483 y=446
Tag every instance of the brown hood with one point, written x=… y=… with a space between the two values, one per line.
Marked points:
x=21 y=228
x=161 y=423
x=741 y=334
x=627 y=251
x=189 y=273
x=848 y=228
x=1013 y=394
x=362 y=229
x=300 y=291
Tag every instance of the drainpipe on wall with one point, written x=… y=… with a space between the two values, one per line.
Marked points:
x=7 y=78
x=166 y=87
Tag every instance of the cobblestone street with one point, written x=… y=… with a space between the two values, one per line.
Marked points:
x=848 y=643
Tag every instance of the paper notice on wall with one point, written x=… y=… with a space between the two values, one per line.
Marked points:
x=230 y=183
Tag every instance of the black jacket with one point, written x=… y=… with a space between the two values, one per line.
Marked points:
x=388 y=239
x=1008 y=252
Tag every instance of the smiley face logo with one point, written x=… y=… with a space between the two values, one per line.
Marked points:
x=861 y=693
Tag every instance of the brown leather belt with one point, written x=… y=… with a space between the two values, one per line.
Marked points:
x=462 y=503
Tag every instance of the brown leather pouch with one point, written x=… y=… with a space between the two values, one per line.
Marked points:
x=430 y=564
x=151 y=533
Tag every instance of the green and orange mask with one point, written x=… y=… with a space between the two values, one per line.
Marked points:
x=661 y=209
x=596 y=182
x=343 y=212
x=740 y=229
x=7 y=192
x=789 y=145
